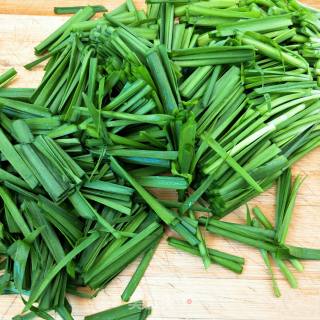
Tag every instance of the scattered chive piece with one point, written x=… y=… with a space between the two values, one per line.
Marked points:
x=16 y=161
x=286 y=272
x=304 y=253
x=134 y=310
x=282 y=231
x=69 y=10
x=265 y=254
x=243 y=239
x=262 y=218
x=266 y=260
x=297 y=264
x=81 y=15
x=7 y=76
x=262 y=24
x=217 y=257
x=53 y=271
x=222 y=153
x=138 y=274
x=166 y=215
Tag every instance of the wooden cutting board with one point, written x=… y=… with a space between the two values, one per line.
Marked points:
x=176 y=284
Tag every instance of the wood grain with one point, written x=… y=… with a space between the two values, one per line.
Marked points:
x=45 y=7
x=176 y=284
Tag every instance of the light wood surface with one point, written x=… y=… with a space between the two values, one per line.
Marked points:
x=176 y=284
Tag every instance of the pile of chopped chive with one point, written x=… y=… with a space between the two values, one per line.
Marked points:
x=214 y=100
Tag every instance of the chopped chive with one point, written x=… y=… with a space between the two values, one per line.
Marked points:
x=68 y=10
x=163 y=182
x=167 y=216
x=288 y=211
x=262 y=24
x=7 y=76
x=222 y=153
x=229 y=13
x=297 y=264
x=216 y=256
x=247 y=231
x=243 y=239
x=16 y=161
x=266 y=47
x=134 y=310
x=138 y=274
x=266 y=260
x=14 y=212
x=203 y=56
x=81 y=15
x=262 y=218
x=286 y=272
x=53 y=271
x=23 y=94
x=304 y=253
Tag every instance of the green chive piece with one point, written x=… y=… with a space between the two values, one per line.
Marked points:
x=167 y=216
x=266 y=47
x=16 y=161
x=222 y=153
x=284 y=227
x=262 y=24
x=7 y=76
x=85 y=210
x=304 y=253
x=60 y=265
x=204 y=56
x=243 y=239
x=216 y=256
x=134 y=310
x=266 y=257
x=68 y=10
x=81 y=15
x=138 y=274
x=286 y=272
x=266 y=260
x=164 y=214
x=262 y=218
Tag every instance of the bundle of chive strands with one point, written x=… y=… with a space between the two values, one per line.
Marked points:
x=217 y=97
x=270 y=240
